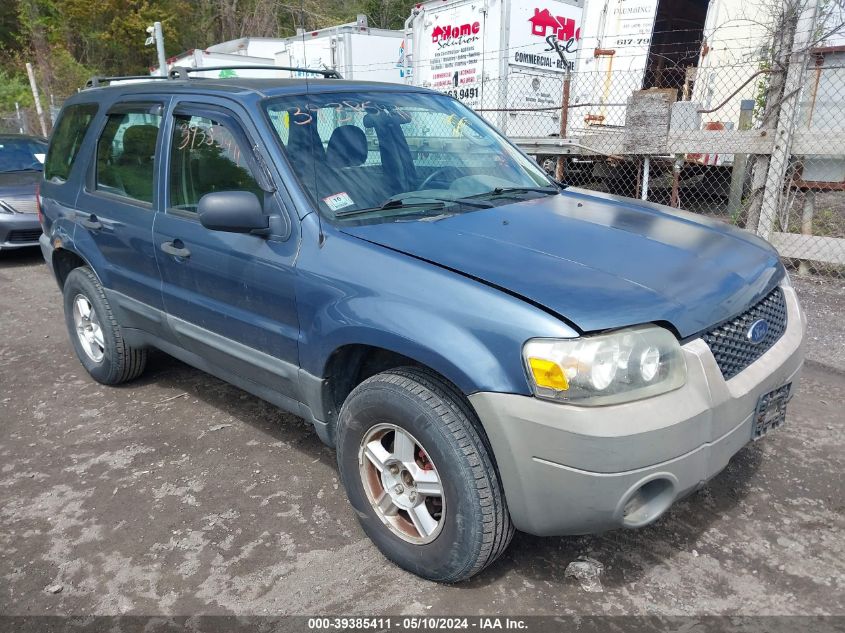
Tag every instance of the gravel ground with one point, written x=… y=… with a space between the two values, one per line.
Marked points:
x=178 y=494
x=824 y=302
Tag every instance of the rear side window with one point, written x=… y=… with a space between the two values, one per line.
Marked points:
x=126 y=155
x=206 y=157
x=67 y=139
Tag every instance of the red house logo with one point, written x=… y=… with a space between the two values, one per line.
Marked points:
x=564 y=29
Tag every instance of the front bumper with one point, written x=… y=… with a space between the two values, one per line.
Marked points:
x=18 y=230
x=573 y=470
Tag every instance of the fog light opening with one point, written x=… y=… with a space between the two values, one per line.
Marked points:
x=648 y=502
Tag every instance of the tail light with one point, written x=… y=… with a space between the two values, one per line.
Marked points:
x=38 y=204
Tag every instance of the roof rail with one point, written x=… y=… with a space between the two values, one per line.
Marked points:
x=95 y=81
x=183 y=72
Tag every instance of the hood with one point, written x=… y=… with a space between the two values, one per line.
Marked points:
x=18 y=184
x=596 y=260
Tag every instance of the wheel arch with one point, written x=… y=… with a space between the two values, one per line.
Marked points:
x=354 y=360
x=65 y=260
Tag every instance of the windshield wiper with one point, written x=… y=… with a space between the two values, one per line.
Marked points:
x=14 y=171
x=503 y=191
x=393 y=204
x=409 y=201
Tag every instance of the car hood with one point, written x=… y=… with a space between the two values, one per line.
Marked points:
x=19 y=183
x=598 y=261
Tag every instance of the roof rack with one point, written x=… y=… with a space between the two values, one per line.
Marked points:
x=183 y=72
x=95 y=81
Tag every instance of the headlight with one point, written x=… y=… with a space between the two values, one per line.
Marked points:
x=606 y=368
x=4 y=208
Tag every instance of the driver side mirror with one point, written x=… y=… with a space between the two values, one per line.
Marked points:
x=232 y=211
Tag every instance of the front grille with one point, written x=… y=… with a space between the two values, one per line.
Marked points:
x=24 y=235
x=21 y=204
x=730 y=344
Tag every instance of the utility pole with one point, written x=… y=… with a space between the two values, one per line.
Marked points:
x=37 y=98
x=157 y=37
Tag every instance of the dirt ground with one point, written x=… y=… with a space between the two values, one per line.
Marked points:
x=178 y=494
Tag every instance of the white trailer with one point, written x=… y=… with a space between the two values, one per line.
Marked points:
x=354 y=50
x=209 y=58
x=497 y=56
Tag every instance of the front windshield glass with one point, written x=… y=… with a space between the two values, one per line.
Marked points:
x=386 y=155
x=21 y=155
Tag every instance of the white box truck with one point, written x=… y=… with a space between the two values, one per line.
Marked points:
x=497 y=56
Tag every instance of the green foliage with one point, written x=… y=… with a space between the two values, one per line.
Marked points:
x=70 y=40
x=14 y=88
x=761 y=92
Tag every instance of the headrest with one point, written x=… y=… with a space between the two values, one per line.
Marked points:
x=139 y=141
x=347 y=147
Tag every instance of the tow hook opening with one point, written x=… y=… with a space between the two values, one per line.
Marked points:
x=647 y=501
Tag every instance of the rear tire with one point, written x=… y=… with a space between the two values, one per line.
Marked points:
x=95 y=333
x=445 y=537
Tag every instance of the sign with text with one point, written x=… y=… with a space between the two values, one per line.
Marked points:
x=453 y=48
x=538 y=30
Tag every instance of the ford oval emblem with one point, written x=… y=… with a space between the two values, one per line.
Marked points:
x=757 y=331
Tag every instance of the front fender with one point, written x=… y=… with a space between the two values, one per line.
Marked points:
x=353 y=292
x=462 y=356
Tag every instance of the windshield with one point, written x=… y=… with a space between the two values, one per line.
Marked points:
x=23 y=154
x=387 y=155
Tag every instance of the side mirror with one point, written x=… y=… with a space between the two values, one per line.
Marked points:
x=232 y=211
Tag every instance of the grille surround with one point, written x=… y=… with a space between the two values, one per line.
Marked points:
x=23 y=236
x=729 y=342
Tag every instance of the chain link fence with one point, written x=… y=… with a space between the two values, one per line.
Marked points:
x=710 y=140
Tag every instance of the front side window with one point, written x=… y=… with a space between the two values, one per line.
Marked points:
x=382 y=153
x=67 y=139
x=206 y=156
x=126 y=155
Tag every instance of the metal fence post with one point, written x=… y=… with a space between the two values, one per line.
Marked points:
x=807 y=224
x=560 y=168
x=740 y=166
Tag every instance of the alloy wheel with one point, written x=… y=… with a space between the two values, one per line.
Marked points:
x=402 y=483
x=88 y=329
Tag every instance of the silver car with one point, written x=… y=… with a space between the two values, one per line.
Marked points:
x=21 y=164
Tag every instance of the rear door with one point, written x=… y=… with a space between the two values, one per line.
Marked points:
x=116 y=207
x=229 y=296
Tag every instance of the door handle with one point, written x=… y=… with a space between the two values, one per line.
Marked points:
x=175 y=248
x=91 y=222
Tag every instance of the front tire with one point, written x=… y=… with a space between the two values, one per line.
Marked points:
x=420 y=476
x=95 y=333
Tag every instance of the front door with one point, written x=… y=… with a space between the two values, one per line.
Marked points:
x=229 y=296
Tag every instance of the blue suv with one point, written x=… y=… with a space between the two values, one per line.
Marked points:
x=486 y=350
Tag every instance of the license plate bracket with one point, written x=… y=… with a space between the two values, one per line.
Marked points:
x=771 y=410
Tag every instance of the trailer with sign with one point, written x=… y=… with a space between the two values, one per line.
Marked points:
x=498 y=56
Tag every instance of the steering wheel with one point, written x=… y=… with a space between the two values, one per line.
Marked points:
x=442 y=176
